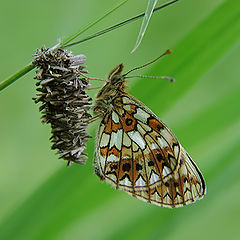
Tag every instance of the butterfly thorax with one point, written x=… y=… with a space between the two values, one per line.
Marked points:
x=114 y=88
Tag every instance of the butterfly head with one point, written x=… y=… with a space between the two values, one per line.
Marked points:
x=115 y=85
x=116 y=78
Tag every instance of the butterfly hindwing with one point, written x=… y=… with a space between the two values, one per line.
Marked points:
x=137 y=153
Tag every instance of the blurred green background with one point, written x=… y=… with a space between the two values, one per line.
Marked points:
x=42 y=199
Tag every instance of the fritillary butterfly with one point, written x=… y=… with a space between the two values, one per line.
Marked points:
x=136 y=152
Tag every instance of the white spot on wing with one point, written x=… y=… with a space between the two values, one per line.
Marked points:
x=111 y=178
x=167 y=200
x=154 y=178
x=112 y=158
x=188 y=196
x=127 y=100
x=194 y=191
x=126 y=182
x=135 y=147
x=140 y=129
x=137 y=138
x=183 y=170
x=115 y=117
x=162 y=142
x=127 y=107
x=198 y=188
x=116 y=139
x=126 y=140
x=166 y=171
x=166 y=135
x=176 y=151
x=104 y=140
x=154 y=146
x=146 y=127
x=141 y=115
x=140 y=182
x=186 y=186
x=154 y=197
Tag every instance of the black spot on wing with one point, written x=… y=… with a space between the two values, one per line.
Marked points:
x=128 y=121
x=138 y=167
x=150 y=163
x=126 y=167
x=159 y=156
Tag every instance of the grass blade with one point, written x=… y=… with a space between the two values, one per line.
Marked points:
x=148 y=13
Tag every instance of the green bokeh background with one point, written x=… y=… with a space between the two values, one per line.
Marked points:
x=42 y=199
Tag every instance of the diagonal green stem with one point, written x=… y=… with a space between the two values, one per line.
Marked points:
x=16 y=76
x=75 y=35
x=109 y=29
x=148 y=13
x=29 y=67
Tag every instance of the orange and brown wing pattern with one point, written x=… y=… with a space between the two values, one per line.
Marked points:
x=184 y=186
x=137 y=153
x=108 y=148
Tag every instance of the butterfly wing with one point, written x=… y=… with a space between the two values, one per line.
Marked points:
x=137 y=153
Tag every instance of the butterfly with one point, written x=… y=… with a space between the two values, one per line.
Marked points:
x=136 y=152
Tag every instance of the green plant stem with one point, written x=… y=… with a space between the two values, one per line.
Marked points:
x=75 y=35
x=109 y=29
x=29 y=67
x=65 y=42
x=148 y=13
x=16 y=76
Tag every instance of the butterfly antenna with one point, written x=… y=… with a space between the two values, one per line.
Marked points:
x=170 y=79
x=146 y=64
x=91 y=78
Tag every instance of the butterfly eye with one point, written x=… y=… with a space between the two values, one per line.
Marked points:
x=117 y=79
